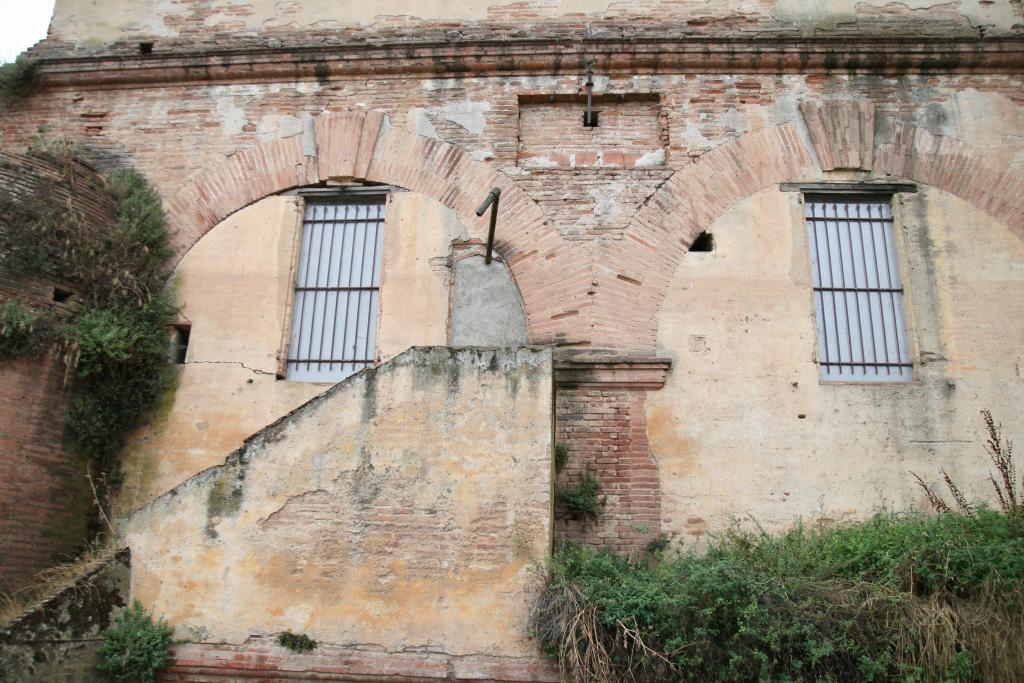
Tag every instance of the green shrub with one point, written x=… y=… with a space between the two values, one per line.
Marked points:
x=135 y=646
x=296 y=642
x=581 y=501
x=18 y=78
x=907 y=597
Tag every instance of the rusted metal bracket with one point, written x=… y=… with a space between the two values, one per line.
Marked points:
x=492 y=201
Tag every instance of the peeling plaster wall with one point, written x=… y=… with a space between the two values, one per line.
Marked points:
x=744 y=426
x=416 y=273
x=416 y=493
x=235 y=287
x=90 y=23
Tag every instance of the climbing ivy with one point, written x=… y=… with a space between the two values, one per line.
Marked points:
x=113 y=334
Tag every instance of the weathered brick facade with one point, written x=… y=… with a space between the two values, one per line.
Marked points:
x=688 y=384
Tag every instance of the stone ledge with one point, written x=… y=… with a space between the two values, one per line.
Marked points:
x=494 y=57
x=609 y=371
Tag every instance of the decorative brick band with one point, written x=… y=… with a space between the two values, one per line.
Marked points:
x=561 y=50
x=263 y=660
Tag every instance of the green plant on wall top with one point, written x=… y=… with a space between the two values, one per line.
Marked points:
x=18 y=78
x=135 y=646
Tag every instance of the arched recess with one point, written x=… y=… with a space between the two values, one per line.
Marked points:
x=363 y=146
x=634 y=273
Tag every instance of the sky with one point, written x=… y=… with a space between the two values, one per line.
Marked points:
x=23 y=23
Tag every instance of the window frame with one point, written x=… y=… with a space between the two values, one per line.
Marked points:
x=879 y=192
x=354 y=195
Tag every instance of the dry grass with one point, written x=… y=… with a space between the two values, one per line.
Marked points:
x=989 y=625
x=49 y=582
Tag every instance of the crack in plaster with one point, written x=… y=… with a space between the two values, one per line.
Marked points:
x=230 y=362
x=291 y=499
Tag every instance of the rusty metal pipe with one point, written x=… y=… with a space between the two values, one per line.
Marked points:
x=492 y=201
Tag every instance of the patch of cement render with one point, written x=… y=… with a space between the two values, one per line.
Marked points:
x=419 y=123
x=469 y=115
x=486 y=307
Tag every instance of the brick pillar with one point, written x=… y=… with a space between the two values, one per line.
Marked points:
x=602 y=420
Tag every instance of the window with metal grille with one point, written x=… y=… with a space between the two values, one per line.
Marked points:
x=858 y=297
x=337 y=289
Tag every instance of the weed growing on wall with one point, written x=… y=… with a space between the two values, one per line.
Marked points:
x=18 y=78
x=1004 y=480
x=910 y=597
x=296 y=642
x=135 y=646
x=582 y=500
x=113 y=336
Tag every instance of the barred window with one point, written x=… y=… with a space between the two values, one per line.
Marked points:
x=858 y=297
x=337 y=289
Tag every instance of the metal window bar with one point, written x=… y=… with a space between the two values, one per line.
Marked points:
x=337 y=290
x=858 y=296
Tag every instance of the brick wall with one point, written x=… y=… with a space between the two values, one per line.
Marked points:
x=41 y=515
x=601 y=419
x=605 y=431
x=630 y=133
x=45 y=504
x=263 y=659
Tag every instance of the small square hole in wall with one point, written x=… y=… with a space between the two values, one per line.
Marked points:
x=705 y=242
x=591 y=121
x=179 y=343
x=146 y=48
x=61 y=295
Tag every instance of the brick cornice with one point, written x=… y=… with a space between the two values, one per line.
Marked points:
x=501 y=57
x=609 y=371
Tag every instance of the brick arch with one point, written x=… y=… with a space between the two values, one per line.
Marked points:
x=363 y=146
x=634 y=274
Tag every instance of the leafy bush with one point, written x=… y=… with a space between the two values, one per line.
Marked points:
x=18 y=78
x=901 y=596
x=582 y=501
x=135 y=646
x=296 y=642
